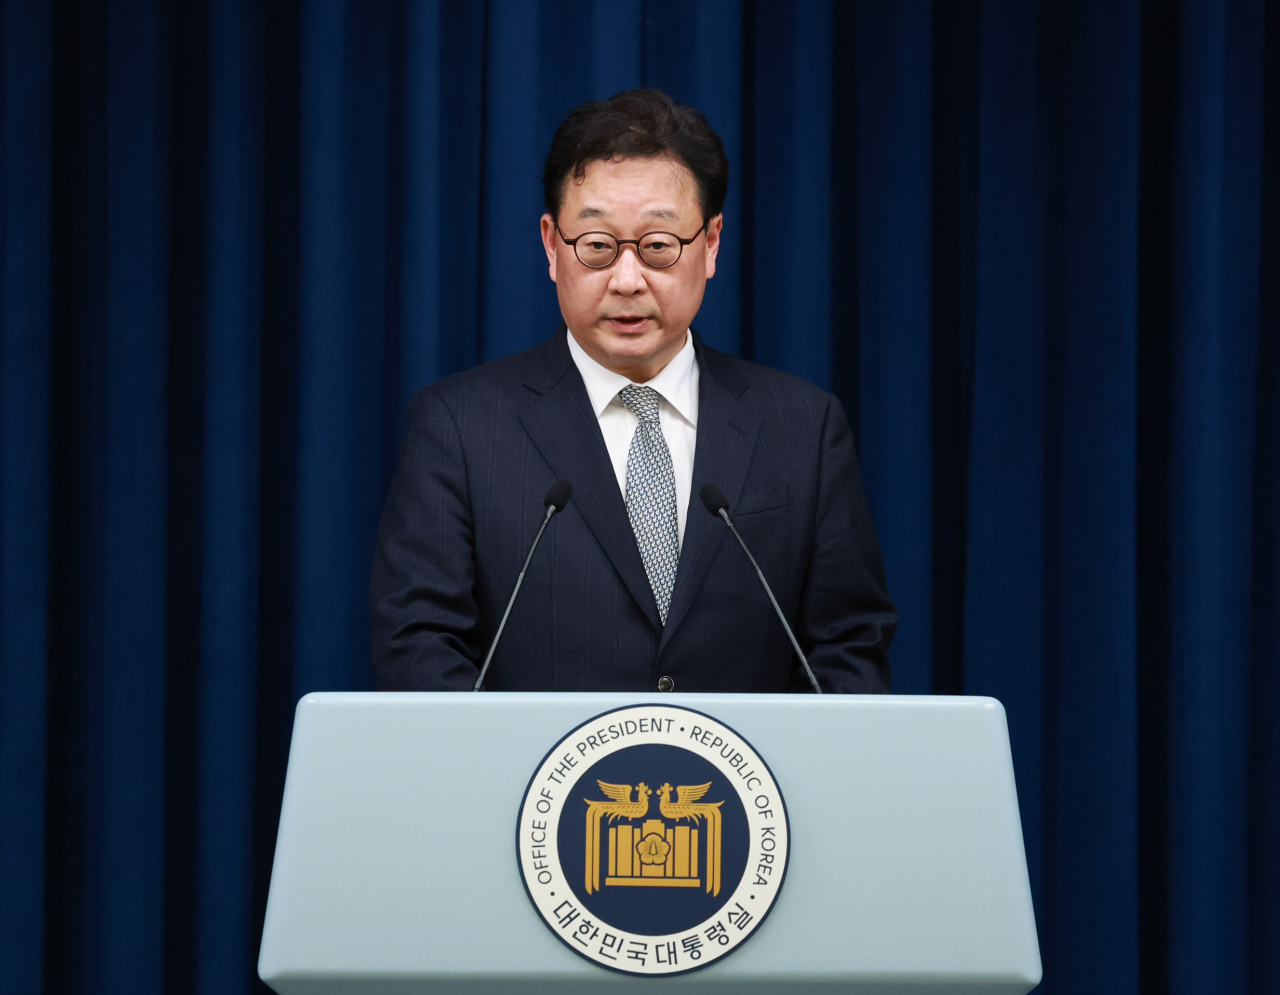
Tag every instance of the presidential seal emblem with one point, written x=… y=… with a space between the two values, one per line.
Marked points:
x=653 y=840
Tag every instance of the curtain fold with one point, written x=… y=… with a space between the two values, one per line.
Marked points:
x=228 y=612
x=1217 y=177
x=25 y=143
x=1033 y=247
x=887 y=286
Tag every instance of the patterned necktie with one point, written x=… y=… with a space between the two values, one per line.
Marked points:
x=651 y=495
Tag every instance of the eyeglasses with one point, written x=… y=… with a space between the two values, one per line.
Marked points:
x=599 y=249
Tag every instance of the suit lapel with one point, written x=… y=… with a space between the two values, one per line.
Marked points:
x=565 y=430
x=727 y=433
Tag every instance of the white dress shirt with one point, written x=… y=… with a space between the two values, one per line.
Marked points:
x=677 y=387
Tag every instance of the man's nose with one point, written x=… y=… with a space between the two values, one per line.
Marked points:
x=628 y=273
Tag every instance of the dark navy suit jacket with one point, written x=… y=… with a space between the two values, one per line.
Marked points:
x=481 y=449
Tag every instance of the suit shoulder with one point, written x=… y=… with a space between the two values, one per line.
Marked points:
x=486 y=376
x=496 y=383
x=765 y=383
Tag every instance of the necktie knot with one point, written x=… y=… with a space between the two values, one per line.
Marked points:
x=641 y=402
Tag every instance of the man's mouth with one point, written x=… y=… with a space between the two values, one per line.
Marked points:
x=629 y=320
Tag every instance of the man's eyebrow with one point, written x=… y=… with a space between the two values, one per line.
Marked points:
x=653 y=212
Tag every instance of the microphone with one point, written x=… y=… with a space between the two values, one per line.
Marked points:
x=556 y=499
x=713 y=497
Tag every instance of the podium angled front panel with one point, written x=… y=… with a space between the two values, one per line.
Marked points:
x=396 y=867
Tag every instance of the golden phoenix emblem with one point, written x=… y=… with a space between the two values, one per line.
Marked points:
x=649 y=852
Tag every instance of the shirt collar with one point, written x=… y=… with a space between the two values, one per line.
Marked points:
x=676 y=382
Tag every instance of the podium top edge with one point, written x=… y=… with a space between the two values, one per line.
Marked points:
x=614 y=699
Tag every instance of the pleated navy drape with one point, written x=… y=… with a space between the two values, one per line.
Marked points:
x=1034 y=246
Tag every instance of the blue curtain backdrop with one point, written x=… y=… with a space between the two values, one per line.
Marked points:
x=1034 y=246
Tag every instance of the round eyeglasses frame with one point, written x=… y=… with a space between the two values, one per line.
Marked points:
x=620 y=242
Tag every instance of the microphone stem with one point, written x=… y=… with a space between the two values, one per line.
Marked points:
x=551 y=510
x=724 y=513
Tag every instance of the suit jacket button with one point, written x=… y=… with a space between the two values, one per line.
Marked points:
x=666 y=684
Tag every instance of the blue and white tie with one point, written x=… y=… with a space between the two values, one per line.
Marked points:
x=651 y=495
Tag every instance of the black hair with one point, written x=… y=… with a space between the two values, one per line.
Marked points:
x=637 y=124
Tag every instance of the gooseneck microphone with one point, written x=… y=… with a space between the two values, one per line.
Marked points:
x=556 y=499
x=713 y=497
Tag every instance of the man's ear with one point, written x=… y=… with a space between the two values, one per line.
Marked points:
x=713 y=243
x=549 y=244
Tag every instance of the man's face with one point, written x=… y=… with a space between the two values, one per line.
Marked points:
x=630 y=317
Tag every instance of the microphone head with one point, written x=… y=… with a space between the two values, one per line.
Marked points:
x=713 y=497
x=558 y=495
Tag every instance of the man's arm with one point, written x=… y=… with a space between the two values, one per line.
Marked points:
x=845 y=621
x=425 y=622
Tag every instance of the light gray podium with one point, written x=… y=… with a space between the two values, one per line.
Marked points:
x=395 y=866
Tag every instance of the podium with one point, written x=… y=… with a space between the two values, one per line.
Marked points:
x=397 y=867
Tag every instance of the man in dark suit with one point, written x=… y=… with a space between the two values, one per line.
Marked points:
x=635 y=586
